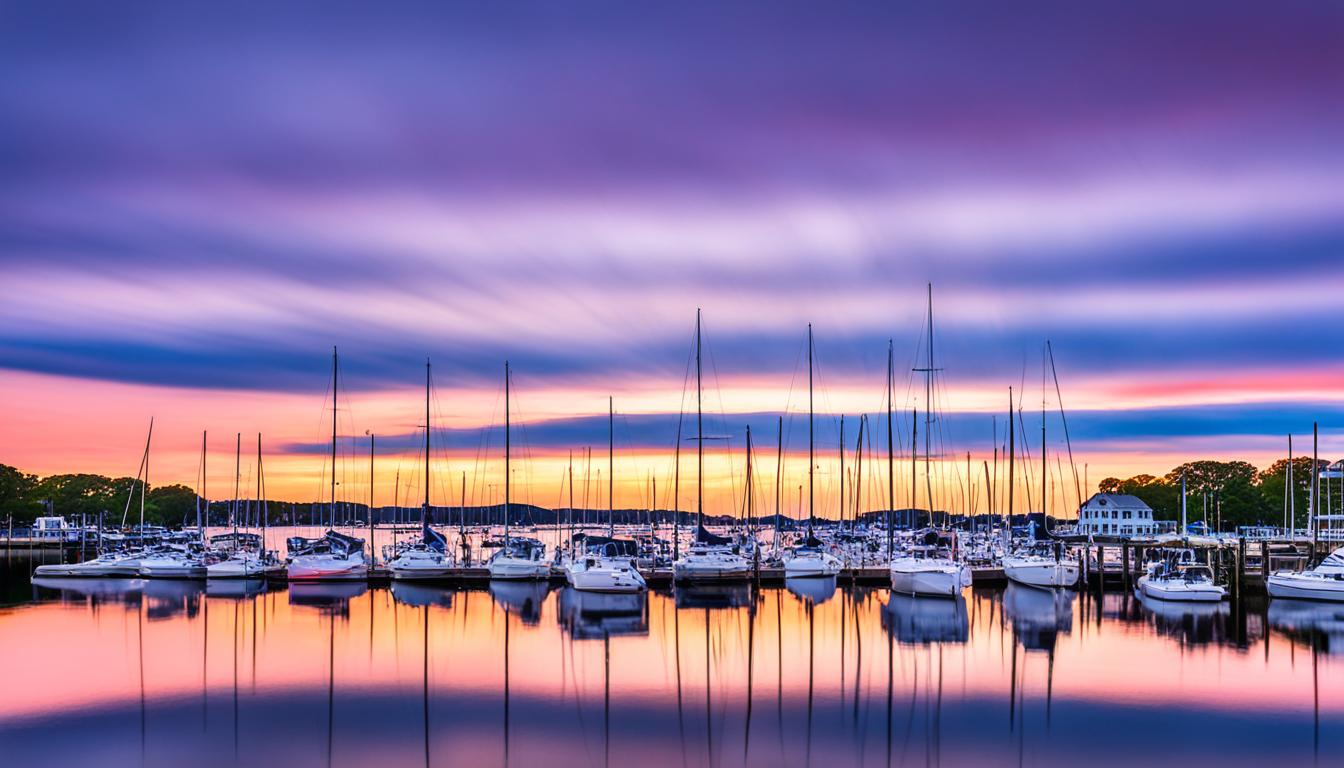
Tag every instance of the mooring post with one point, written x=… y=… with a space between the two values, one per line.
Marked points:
x=1124 y=564
x=1083 y=563
x=1264 y=561
x=1101 y=569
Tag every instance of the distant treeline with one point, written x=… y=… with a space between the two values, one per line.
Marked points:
x=1236 y=492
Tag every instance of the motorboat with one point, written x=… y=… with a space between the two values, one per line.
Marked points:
x=711 y=558
x=333 y=557
x=930 y=569
x=810 y=560
x=429 y=558
x=1179 y=578
x=519 y=558
x=1324 y=582
x=605 y=565
x=1041 y=566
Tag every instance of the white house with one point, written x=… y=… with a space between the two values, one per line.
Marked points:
x=1116 y=514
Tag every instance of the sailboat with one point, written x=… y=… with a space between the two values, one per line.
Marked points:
x=429 y=558
x=607 y=563
x=247 y=556
x=122 y=561
x=930 y=568
x=710 y=557
x=1038 y=564
x=810 y=559
x=178 y=560
x=335 y=556
x=517 y=558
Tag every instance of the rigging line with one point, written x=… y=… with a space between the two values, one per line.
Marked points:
x=1059 y=399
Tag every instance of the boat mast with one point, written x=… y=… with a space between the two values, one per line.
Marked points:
x=258 y=478
x=237 y=480
x=811 y=455
x=507 y=451
x=1045 y=468
x=914 y=465
x=571 y=501
x=335 y=384
x=891 y=460
x=858 y=472
x=200 y=497
x=928 y=411
x=699 y=433
x=750 y=509
x=676 y=492
x=611 y=468
x=371 y=451
x=144 y=488
x=1012 y=449
x=779 y=478
x=424 y=513
x=842 y=470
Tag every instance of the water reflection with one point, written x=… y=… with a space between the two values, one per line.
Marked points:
x=812 y=590
x=916 y=620
x=522 y=598
x=345 y=675
x=1039 y=616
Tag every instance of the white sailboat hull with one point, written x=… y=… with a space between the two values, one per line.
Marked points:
x=934 y=578
x=604 y=576
x=811 y=565
x=248 y=567
x=327 y=568
x=172 y=568
x=1041 y=572
x=711 y=566
x=1179 y=591
x=1305 y=586
x=505 y=567
x=419 y=565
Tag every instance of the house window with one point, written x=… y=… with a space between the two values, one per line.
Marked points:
x=1127 y=513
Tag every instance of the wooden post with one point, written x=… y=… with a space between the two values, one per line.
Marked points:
x=1101 y=568
x=1264 y=562
x=1083 y=564
x=1124 y=565
x=1238 y=565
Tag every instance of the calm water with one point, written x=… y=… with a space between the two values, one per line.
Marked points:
x=127 y=672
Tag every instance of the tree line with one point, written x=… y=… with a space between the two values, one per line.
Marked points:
x=1235 y=492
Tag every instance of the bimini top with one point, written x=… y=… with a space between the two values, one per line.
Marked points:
x=703 y=536
x=607 y=546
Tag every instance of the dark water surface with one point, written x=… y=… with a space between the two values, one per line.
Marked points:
x=159 y=673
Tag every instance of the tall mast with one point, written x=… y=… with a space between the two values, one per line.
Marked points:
x=779 y=477
x=201 y=522
x=424 y=514
x=258 y=475
x=507 y=451
x=1315 y=485
x=676 y=494
x=335 y=384
x=751 y=510
x=611 y=467
x=1012 y=450
x=914 y=465
x=237 y=479
x=699 y=433
x=371 y=451
x=1045 y=467
x=928 y=410
x=811 y=453
x=891 y=460
x=858 y=472
x=144 y=488
x=842 y=469
x=263 y=509
x=571 y=500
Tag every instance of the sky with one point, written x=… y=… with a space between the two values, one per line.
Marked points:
x=197 y=203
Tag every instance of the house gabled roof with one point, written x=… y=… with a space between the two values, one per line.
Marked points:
x=1116 y=500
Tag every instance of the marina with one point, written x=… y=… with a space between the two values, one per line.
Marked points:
x=813 y=673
